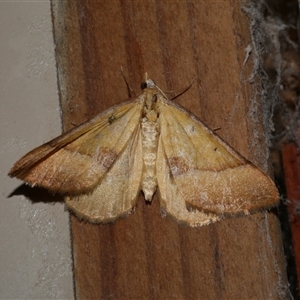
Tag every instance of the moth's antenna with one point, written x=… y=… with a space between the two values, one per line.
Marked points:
x=150 y=84
x=186 y=89
x=130 y=90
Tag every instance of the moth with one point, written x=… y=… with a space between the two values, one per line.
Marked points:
x=153 y=145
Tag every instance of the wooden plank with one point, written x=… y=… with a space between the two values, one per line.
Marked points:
x=291 y=166
x=145 y=256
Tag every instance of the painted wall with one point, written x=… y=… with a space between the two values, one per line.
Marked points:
x=35 y=255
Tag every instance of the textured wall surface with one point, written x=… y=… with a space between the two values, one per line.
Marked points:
x=35 y=260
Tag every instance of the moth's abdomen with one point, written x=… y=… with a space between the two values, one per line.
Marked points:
x=150 y=133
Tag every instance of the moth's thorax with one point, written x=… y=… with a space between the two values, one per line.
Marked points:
x=150 y=133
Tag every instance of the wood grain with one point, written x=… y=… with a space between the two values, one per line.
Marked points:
x=291 y=166
x=145 y=256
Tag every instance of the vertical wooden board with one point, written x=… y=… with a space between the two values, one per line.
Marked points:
x=146 y=256
x=291 y=166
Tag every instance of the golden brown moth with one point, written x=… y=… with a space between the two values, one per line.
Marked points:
x=149 y=144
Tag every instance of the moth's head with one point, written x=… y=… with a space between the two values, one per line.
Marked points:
x=148 y=84
x=153 y=94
